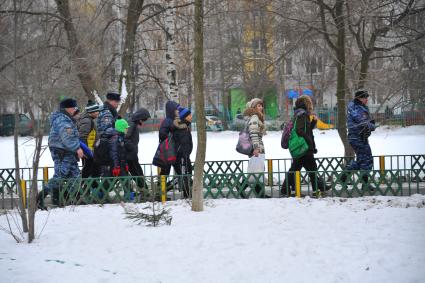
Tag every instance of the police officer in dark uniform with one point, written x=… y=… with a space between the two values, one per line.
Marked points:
x=360 y=125
x=64 y=146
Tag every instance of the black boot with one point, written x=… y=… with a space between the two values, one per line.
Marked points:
x=366 y=186
x=40 y=200
x=260 y=192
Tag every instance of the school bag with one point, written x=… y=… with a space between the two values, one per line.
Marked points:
x=286 y=133
x=244 y=145
x=297 y=145
x=166 y=153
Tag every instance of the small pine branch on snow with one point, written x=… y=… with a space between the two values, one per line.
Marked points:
x=152 y=214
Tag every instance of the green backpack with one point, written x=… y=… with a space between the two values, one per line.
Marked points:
x=297 y=145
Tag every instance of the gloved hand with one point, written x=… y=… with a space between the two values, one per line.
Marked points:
x=116 y=171
x=126 y=168
x=372 y=121
x=315 y=151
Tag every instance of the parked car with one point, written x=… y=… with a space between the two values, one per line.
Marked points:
x=7 y=125
x=213 y=123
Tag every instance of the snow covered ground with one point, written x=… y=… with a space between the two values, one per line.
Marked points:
x=221 y=145
x=371 y=239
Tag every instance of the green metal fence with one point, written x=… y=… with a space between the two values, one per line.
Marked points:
x=394 y=182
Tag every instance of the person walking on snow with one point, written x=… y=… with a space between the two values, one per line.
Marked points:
x=254 y=115
x=64 y=146
x=360 y=125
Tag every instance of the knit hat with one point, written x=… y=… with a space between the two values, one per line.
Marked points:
x=361 y=93
x=121 y=125
x=183 y=112
x=113 y=96
x=254 y=102
x=68 y=103
x=92 y=107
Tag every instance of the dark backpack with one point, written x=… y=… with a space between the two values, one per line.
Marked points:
x=166 y=153
x=101 y=151
x=284 y=141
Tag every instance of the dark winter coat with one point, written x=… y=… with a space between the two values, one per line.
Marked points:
x=359 y=123
x=107 y=118
x=304 y=125
x=117 y=151
x=132 y=136
x=182 y=137
x=171 y=114
x=63 y=132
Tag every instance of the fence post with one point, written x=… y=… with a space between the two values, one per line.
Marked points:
x=45 y=174
x=270 y=171
x=163 y=185
x=24 y=192
x=298 y=184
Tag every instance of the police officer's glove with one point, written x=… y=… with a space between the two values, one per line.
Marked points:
x=372 y=121
x=116 y=171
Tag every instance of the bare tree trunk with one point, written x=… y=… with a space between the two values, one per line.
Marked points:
x=197 y=194
x=340 y=85
x=127 y=71
x=21 y=205
x=77 y=54
x=364 y=67
x=172 y=86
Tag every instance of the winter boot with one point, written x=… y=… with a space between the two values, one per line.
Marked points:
x=40 y=200
x=366 y=186
x=260 y=192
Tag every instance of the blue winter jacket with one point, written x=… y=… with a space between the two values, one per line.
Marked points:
x=359 y=122
x=106 y=118
x=167 y=125
x=63 y=132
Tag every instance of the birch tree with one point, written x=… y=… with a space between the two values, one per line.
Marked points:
x=198 y=182
x=172 y=86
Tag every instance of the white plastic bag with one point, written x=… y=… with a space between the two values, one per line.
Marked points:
x=256 y=165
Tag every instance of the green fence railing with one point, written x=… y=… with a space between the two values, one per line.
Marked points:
x=231 y=185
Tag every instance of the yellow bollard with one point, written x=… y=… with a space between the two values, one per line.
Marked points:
x=382 y=164
x=46 y=174
x=163 y=185
x=270 y=170
x=298 y=184
x=24 y=192
x=382 y=167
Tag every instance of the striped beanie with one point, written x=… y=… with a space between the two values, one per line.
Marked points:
x=92 y=107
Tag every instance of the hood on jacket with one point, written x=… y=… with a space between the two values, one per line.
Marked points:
x=141 y=114
x=170 y=109
x=304 y=102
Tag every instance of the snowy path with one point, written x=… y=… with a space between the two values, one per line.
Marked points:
x=372 y=239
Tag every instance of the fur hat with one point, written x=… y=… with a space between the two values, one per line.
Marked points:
x=183 y=112
x=113 y=96
x=92 y=107
x=361 y=93
x=68 y=103
x=254 y=102
x=304 y=102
